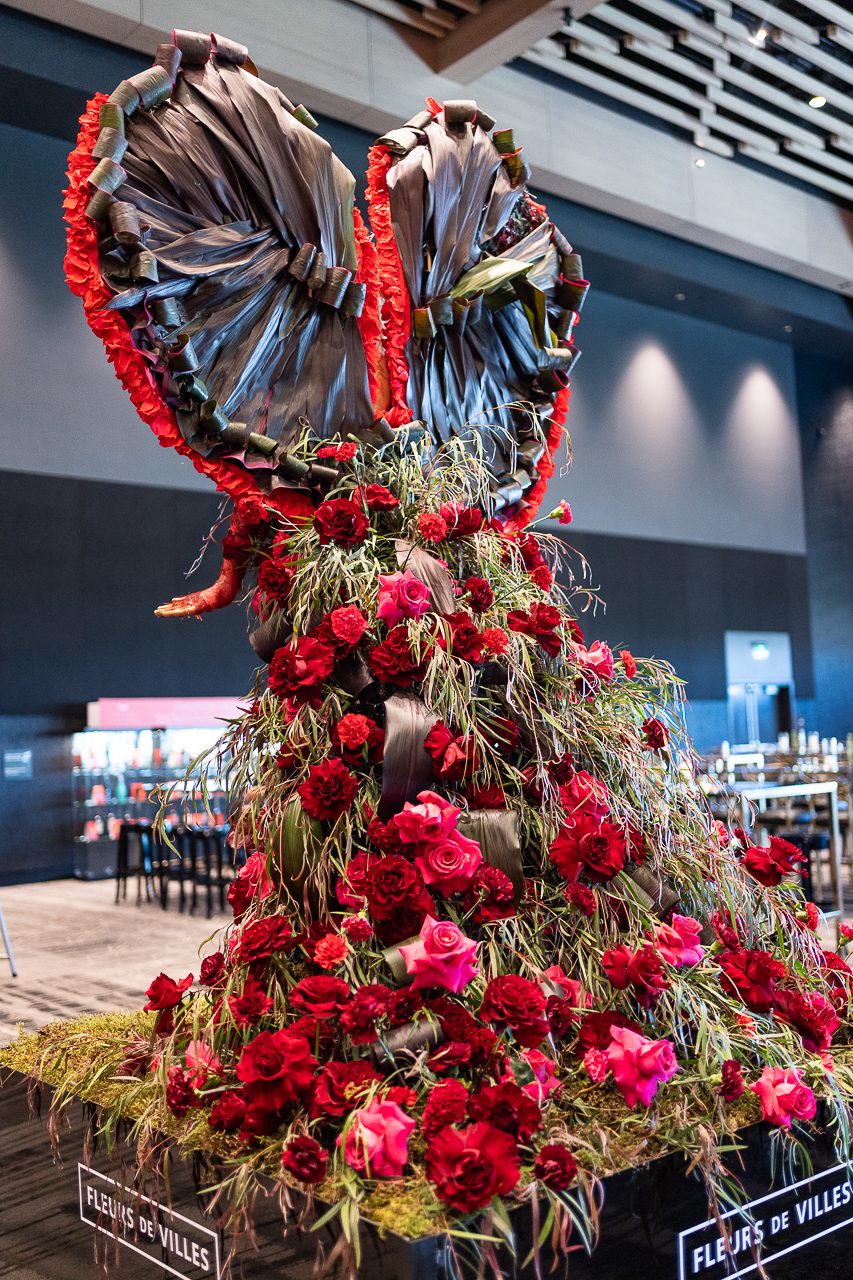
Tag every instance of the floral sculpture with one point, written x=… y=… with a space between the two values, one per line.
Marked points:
x=487 y=944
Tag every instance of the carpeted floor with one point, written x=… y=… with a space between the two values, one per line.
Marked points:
x=77 y=952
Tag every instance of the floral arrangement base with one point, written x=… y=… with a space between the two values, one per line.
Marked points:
x=60 y=1220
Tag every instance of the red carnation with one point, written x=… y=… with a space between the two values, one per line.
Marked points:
x=589 y=845
x=555 y=1166
x=341 y=521
x=752 y=976
x=180 y=1095
x=492 y=895
x=392 y=661
x=212 y=969
x=275 y=579
x=454 y=757
x=344 y=452
x=470 y=1166
x=447 y=1104
x=656 y=734
x=432 y=527
x=263 y=937
x=298 y=669
x=541 y=622
x=495 y=640
x=465 y=640
x=519 y=1004
x=629 y=663
x=166 y=993
x=368 y=1005
x=305 y=1160
x=461 y=521
x=481 y=597
x=582 y=897
x=328 y=791
x=812 y=1015
x=341 y=1086
x=276 y=1067
x=357 y=928
x=342 y=628
x=732 y=1085
x=321 y=996
x=379 y=498
x=507 y=1107
x=228 y=1112
x=250 y=1005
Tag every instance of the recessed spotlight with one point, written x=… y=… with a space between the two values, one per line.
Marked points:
x=787 y=328
x=759 y=36
x=817 y=101
x=700 y=162
x=680 y=297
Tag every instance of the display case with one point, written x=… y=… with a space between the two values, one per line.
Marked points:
x=120 y=770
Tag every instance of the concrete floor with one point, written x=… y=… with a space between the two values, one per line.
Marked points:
x=77 y=952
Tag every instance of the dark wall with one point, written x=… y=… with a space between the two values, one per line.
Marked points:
x=825 y=408
x=84 y=565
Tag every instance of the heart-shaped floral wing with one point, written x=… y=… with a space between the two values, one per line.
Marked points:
x=213 y=238
x=481 y=292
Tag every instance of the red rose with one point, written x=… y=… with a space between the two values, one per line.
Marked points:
x=555 y=1166
x=480 y=595
x=752 y=976
x=166 y=993
x=328 y=791
x=276 y=1067
x=656 y=734
x=507 y=1107
x=305 y=1160
x=392 y=661
x=640 y=969
x=341 y=521
x=519 y=1004
x=351 y=889
x=378 y=498
x=731 y=1084
x=358 y=738
x=298 y=669
x=320 y=996
x=212 y=969
x=446 y=1104
x=228 y=1112
x=770 y=866
x=594 y=1030
x=368 y=1005
x=262 y=937
x=432 y=527
x=491 y=896
x=250 y=1005
x=470 y=1166
x=340 y=1087
x=486 y=797
x=454 y=758
x=394 y=883
x=812 y=1015
x=587 y=844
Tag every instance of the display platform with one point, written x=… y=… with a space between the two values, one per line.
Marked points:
x=61 y=1220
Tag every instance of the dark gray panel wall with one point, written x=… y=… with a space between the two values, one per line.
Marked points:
x=825 y=397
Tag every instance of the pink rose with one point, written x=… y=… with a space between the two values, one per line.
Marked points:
x=783 y=1095
x=570 y=987
x=450 y=864
x=201 y=1060
x=544 y=1081
x=596 y=662
x=378 y=1139
x=441 y=957
x=431 y=820
x=639 y=1065
x=401 y=595
x=678 y=942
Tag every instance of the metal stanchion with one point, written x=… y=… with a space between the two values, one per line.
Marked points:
x=9 y=954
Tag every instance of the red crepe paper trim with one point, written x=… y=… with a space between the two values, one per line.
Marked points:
x=369 y=323
x=396 y=304
x=84 y=279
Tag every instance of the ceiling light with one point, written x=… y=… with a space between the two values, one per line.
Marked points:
x=759 y=36
x=700 y=162
x=817 y=101
x=788 y=328
x=680 y=297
